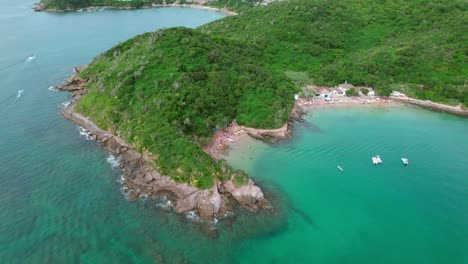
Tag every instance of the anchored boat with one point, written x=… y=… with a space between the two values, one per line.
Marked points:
x=340 y=168
x=376 y=160
x=405 y=161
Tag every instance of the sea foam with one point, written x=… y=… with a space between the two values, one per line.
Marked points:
x=64 y=104
x=86 y=133
x=192 y=216
x=113 y=161
x=165 y=204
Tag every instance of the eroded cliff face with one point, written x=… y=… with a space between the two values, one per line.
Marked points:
x=140 y=178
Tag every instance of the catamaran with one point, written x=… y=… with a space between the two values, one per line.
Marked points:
x=376 y=160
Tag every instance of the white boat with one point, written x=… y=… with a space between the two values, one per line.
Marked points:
x=340 y=168
x=379 y=159
x=405 y=161
x=20 y=92
x=376 y=160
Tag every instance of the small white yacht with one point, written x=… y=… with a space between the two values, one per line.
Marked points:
x=376 y=160
x=405 y=161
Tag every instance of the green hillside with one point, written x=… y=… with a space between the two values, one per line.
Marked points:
x=384 y=44
x=166 y=92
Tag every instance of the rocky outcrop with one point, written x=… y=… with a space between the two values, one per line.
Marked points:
x=249 y=195
x=142 y=179
x=455 y=110
x=38 y=7
x=274 y=135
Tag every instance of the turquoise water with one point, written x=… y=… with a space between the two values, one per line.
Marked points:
x=367 y=214
x=60 y=200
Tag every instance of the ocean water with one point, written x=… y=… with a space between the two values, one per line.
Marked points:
x=60 y=199
x=389 y=213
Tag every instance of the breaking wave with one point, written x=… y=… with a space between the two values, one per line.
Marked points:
x=64 y=104
x=87 y=134
x=165 y=204
x=113 y=161
x=192 y=216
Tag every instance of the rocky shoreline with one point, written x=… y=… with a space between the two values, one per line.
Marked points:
x=141 y=179
x=454 y=110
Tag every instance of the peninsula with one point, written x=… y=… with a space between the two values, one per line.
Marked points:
x=156 y=100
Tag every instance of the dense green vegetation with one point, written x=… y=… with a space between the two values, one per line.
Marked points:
x=166 y=92
x=417 y=47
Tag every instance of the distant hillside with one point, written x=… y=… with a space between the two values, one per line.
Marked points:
x=386 y=44
x=76 y=4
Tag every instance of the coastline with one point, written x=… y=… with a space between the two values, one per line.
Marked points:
x=142 y=179
x=455 y=110
x=38 y=7
x=223 y=138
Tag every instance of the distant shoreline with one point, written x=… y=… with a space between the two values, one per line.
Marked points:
x=344 y=101
x=235 y=134
x=454 y=110
x=38 y=7
x=381 y=101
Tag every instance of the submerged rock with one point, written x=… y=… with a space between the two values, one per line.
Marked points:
x=133 y=195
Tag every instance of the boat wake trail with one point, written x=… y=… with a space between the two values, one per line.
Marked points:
x=19 y=93
x=31 y=58
x=10 y=101
x=28 y=59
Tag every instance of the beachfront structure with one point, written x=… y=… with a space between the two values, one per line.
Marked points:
x=317 y=91
x=323 y=92
x=345 y=86
x=397 y=94
x=359 y=90
x=337 y=92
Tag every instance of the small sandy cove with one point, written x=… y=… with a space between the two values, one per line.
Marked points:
x=235 y=133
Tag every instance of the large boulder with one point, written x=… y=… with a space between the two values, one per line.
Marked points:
x=249 y=195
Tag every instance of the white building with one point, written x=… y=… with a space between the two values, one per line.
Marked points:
x=397 y=94
x=337 y=92
x=345 y=86
x=323 y=92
